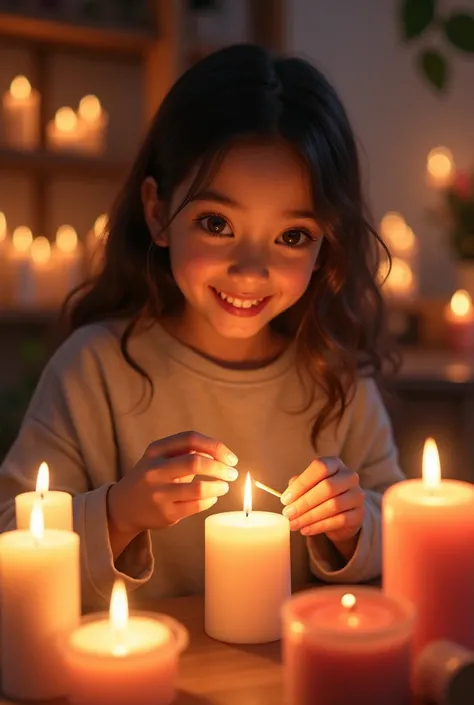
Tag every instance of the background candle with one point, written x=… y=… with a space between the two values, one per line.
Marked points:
x=111 y=658
x=56 y=506
x=341 y=648
x=5 y=269
x=19 y=262
x=428 y=538
x=69 y=260
x=247 y=574
x=40 y=598
x=21 y=121
x=95 y=121
x=65 y=132
x=459 y=318
x=95 y=244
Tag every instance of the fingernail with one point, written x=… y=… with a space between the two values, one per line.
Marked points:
x=286 y=497
x=289 y=512
x=232 y=459
x=232 y=474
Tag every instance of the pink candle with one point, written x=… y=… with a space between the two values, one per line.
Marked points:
x=114 y=658
x=342 y=647
x=459 y=319
x=428 y=530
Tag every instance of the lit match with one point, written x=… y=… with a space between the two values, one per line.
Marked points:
x=265 y=488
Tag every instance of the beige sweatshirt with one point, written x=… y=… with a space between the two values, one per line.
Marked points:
x=86 y=421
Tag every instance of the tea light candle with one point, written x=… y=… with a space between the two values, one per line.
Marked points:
x=21 y=120
x=339 y=645
x=428 y=534
x=95 y=120
x=120 y=659
x=65 y=132
x=459 y=319
x=247 y=574
x=69 y=259
x=56 y=506
x=40 y=598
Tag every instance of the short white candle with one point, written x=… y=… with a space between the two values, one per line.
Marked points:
x=40 y=598
x=21 y=120
x=69 y=259
x=56 y=506
x=65 y=132
x=95 y=121
x=247 y=574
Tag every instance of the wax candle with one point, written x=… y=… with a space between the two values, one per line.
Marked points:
x=95 y=120
x=35 y=285
x=95 y=244
x=247 y=573
x=5 y=268
x=19 y=263
x=459 y=319
x=69 y=260
x=56 y=506
x=40 y=598
x=341 y=647
x=400 y=281
x=65 y=132
x=122 y=659
x=21 y=119
x=428 y=535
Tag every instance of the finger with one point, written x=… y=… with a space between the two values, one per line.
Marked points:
x=352 y=499
x=351 y=519
x=319 y=469
x=292 y=479
x=192 y=441
x=193 y=491
x=182 y=466
x=331 y=487
x=186 y=509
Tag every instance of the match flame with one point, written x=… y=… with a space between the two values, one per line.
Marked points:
x=248 y=494
x=431 y=465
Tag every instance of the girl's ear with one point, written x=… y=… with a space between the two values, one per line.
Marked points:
x=153 y=212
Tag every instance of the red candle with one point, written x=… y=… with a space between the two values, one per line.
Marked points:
x=459 y=318
x=428 y=537
x=340 y=647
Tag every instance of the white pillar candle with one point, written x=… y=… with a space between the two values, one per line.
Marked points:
x=114 y=658
x=95 y=121
x=65 y=132
x=19 y=263
x=247 y=574
x=40 y=598
x=21 y=120
x=56 y=506
x=69 y=260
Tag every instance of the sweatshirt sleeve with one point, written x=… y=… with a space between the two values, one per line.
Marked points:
x=369 y=449
x=69 y=425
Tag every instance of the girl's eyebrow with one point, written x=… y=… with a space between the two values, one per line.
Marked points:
x=218 y=197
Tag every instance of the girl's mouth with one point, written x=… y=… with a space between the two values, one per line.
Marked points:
x=240 y=307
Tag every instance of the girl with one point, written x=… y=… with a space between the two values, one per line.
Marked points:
x=236 y=326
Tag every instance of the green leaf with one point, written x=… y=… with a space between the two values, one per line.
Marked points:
x=459 y=30
x=434 y=67
x=416 y=16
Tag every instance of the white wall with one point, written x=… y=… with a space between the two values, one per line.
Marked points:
x=396 y=116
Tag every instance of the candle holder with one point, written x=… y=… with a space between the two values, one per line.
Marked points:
x=347 y=643
x=140 y=667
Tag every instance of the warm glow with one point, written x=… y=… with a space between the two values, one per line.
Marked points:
x=22 y=238
x=66 y=238
x=65 y=120
x=20 y=88
x=348 y=601
x=400 y=279
x=461 y=303
x=118 y=615
x=440 y=165
x=90 y=108
x=248 y=494
x=3 y=226
x=37 y=521
x=100 y=225
x=42 y=481
x=40 y=250
x=431 y=465
x=391 y=225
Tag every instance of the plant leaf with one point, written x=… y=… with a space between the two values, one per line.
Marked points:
x=459 y=30
x=435 y=68
x=416 y=16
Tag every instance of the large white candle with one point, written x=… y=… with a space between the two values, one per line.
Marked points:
x=40 y=598
x=57 y=506
x=69 y=260
x=247 y=574
x=21 y=120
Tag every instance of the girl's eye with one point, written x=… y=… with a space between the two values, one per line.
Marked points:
x=295 y=238
x=215 y=225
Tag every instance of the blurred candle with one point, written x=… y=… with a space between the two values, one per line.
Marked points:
x=95 y=244
x=69 y=259
x=40 y=598
x=400 y=282
x=459 y=319
x=56 y=506
x=35 y=287
x=19 y=263
x=21 y=119
x=5 y=268
x=65 y=132
x=428 y=535
x=95 y=121
x=440 y=167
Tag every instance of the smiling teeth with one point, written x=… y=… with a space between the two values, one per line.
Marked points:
x=239 y=303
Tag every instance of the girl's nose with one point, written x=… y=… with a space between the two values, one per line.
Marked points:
x=249 y=265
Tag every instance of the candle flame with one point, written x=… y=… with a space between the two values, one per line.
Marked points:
x=248 y=494
x=66 y=238
x=440 y=165
x=118 y=616
x=348 y=601
x=40 y=250
x=431 y=464
x=42 y=480
x=22 y=238
x=90 y=108
x=3 y=226
x=37 y=521
x=20 y=88
x=65 y=119
x=460 y=303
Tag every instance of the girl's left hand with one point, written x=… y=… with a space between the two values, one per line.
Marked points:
x=325 y=498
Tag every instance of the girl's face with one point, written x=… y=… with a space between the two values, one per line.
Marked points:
x=244 y=249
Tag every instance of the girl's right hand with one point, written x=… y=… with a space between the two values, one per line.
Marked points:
x=161 y=489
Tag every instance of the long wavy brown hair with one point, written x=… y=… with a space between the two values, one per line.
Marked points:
x=240 y=91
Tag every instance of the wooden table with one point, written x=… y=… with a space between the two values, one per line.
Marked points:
x=214 y=673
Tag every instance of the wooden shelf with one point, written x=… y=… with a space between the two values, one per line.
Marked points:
x=75 y=36
x=27 y=317
x=46 y=162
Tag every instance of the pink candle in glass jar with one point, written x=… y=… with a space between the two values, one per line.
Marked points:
x=347 y=644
